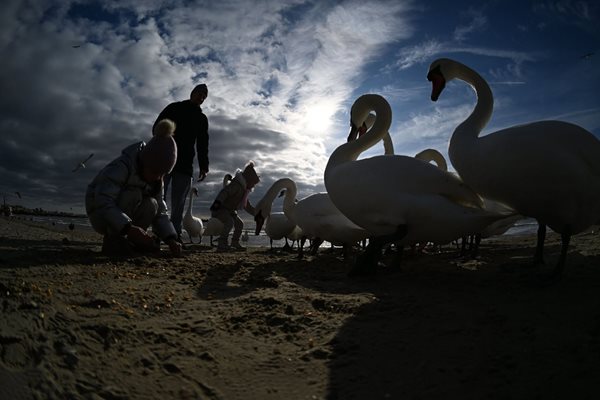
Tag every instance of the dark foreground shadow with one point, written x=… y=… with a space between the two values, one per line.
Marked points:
x=435 y=333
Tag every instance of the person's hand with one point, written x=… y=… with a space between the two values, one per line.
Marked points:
x=175 y=247
x=141 y=238
x=202 y=175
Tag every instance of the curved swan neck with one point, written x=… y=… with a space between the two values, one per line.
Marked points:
x=290 y=195
x=189 y=211
x=481 y=114
x=388 y=145
x=351 y=150
x=429 y=155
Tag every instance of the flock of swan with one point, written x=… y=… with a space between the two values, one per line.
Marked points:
x=547 y=170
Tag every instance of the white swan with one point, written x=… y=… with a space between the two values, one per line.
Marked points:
x=397 y=198
x=315 y=215
x=277 y=225
x=214 y=226
x=547 y=170
x=192 y=225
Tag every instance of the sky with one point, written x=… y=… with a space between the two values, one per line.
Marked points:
x=82 y=77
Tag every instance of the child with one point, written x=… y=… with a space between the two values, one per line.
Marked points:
x=126 y=196
x=231 y=198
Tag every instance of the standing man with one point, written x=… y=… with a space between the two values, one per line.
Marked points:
x=191 y=136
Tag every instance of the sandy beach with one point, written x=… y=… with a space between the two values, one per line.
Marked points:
x=264 y=325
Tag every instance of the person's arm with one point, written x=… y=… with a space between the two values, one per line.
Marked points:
x=109 y=185
x=202 y=140
x=250 y=208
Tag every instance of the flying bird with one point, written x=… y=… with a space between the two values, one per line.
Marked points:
x=82 y=164
x=586 y=56
x=18 y=194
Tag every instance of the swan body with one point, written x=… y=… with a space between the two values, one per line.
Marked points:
x=324 y=221
x=384 y=193
x=315 y=215
x=495 y=228
x=278 y=226
x=547 y=170
x=192 y=225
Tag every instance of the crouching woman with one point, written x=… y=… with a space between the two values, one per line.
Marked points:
x=126 y=196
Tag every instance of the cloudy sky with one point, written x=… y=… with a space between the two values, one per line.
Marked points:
x=81 y=77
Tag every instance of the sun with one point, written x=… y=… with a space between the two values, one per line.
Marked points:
x=319 y=116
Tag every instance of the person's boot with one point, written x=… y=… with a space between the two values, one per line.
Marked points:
x=237 y=246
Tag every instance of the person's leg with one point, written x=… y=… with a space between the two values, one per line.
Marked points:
x=238 y=225
x=145 y=213
x=180 y=189
x=225 y=217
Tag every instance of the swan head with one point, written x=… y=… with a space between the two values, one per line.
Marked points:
x=437 y=79
x=361 y=118
x=441 y=71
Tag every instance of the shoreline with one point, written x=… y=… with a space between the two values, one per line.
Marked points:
x=263 y=325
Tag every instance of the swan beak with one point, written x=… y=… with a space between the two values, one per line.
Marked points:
x=438 y=83
x=260 y=220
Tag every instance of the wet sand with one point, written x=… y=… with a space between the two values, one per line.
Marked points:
x=264 y=325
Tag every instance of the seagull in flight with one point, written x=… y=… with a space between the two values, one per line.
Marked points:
x=82 y=164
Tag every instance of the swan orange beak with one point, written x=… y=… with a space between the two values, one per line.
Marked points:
x=260 y=220
x=438 y=83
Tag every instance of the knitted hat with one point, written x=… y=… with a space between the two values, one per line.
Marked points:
x=251 y=172
x=160 y=153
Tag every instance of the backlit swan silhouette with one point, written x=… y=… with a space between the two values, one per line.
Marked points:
x=315 y=215
x=278 y=225
x=397 y=198
x=547 y=170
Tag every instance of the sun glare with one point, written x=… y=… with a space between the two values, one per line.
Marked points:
x=319 y=116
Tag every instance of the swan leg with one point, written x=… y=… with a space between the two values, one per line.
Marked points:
x=366 y=263
x=314 y=248
x=538 y=258
x=566 y=238
x=301 y=248
x=475 y=251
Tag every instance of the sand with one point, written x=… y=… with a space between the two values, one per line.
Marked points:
x=263 y=325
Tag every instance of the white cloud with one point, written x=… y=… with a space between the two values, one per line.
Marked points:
x=277 y=72
x=478 y=22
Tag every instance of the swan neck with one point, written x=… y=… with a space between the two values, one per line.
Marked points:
x=351 y=150
x=388 y=145
x=290 y=194
x=189 y=211
x=481 y=114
